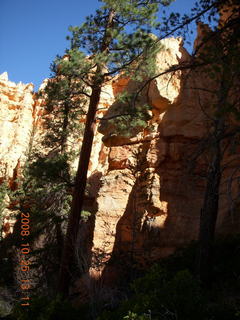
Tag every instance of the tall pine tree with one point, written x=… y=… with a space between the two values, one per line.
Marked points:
x=118 y=39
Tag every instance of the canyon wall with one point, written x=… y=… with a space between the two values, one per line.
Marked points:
x=16 y=124
x=149 y=201
x=144 y=199
x=17 y=117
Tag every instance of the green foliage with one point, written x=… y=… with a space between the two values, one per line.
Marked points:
x=54 y=169
x=131 y=49
x=131 y=124
x=85 y=215
x=170 y=290
x=46 y=188
x=134 y=316
x=159 y=293
x=44 y=192
x=42 y=308
x=4 y=190
x=64 y=106
x=124 y=44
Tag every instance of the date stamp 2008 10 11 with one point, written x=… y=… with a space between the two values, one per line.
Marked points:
x=24 y=261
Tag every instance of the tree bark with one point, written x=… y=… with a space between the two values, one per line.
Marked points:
x=78 y=195
x=208 y=220
x=209 y=210
x=81 y=177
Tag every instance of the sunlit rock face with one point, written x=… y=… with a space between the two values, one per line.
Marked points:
x=159 y=94
x=21 y=112
x=142 y=205
x=16 y=123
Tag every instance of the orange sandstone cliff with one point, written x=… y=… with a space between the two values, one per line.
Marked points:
x=144 y=200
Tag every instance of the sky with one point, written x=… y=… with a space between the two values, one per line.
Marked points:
x=33 y=32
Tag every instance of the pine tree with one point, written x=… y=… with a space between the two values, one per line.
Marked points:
x=64 y=105
x=44 y=189
x=4 y=190
x=118 y=40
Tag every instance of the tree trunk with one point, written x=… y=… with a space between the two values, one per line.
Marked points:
x=209 y=212
x=81 y=177
x=208 y=218
x=78 y=194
